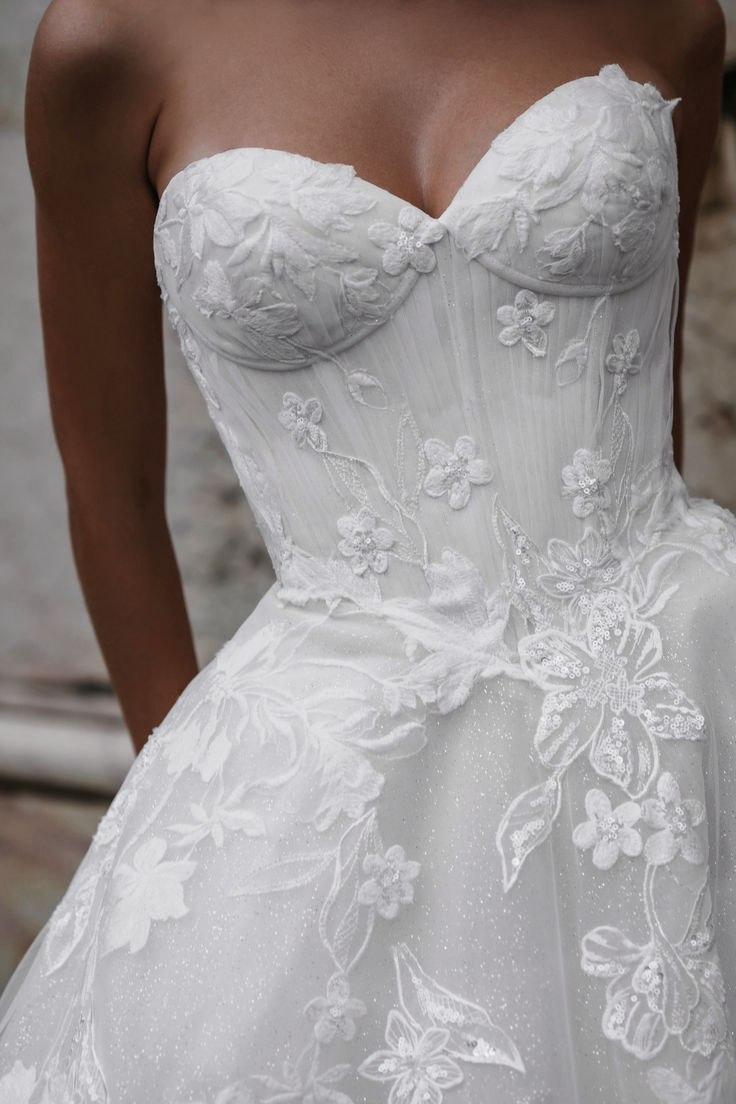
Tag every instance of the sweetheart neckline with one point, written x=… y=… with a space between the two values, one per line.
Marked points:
x=440 y=218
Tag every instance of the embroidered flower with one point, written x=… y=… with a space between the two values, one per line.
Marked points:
x=650 y=993
x=675 y=820
x=453 y=470
x=301 y=419
x=17 y=1085
x=363 y=542
x=659 y=987
x=608 y=831
x=200 y=208
x=585 y=482
x=147 y=889
x=473 y=1036
x=408 y=243
x=606 y=694
x=225 y=816
x=414 y=1062
x=524 y=320
x=625 y=359
x=335 y=1014
x=579 y=569
x=389 y=886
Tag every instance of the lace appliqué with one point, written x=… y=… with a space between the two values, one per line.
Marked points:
x=454 y=470
x=364 y=542
x=283 y=228
x=302 y=421
x=609 y=832
x=615 y=158
x=408 y=243
x=524 y=321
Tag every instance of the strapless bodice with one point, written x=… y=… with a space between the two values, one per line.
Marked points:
x=430 y=383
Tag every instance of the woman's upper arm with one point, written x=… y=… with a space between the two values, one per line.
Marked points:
x=91 y=101
x=697 y=42
x=700 y=85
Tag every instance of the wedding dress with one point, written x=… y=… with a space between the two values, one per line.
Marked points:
x=452 y=816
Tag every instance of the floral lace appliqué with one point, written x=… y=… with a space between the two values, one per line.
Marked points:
x=301 y=418
x=675 y=820
x=625 y=360
x=364 y=543
x=390 y=883
x=454 y=470
x=524 y=321
x=408 y=243
x=610 y=832
x=585 y=480
x=430 y=1034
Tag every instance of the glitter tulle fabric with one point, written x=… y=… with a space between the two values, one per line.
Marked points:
x=451 y=816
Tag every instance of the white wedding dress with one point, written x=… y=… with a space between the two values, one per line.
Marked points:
x=452 y=816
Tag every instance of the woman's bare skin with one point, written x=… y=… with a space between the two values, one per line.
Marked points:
x=122 y=94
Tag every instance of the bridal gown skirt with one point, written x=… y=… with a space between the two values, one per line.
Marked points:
x=227 y=937
x=452 y=816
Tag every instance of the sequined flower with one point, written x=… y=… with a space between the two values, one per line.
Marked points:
x=389 y=885
x=453 y=470
x=650 y=992
x=416 y=1063
x=675 y=819
x=523 y=322
x=335 y=1013
x=364 y=542
x=585 y=481
x=149 y=888
x=408 y=243
x=301 y=419
x=625 y=359
x=606 y=694
x=17 y=1084
x=608 y=831
x=579 y=569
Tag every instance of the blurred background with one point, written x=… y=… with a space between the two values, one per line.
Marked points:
x=63 y=748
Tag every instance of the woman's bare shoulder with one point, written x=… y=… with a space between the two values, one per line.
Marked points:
x=696 y=35
x=94 y=80
x=90 y=43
